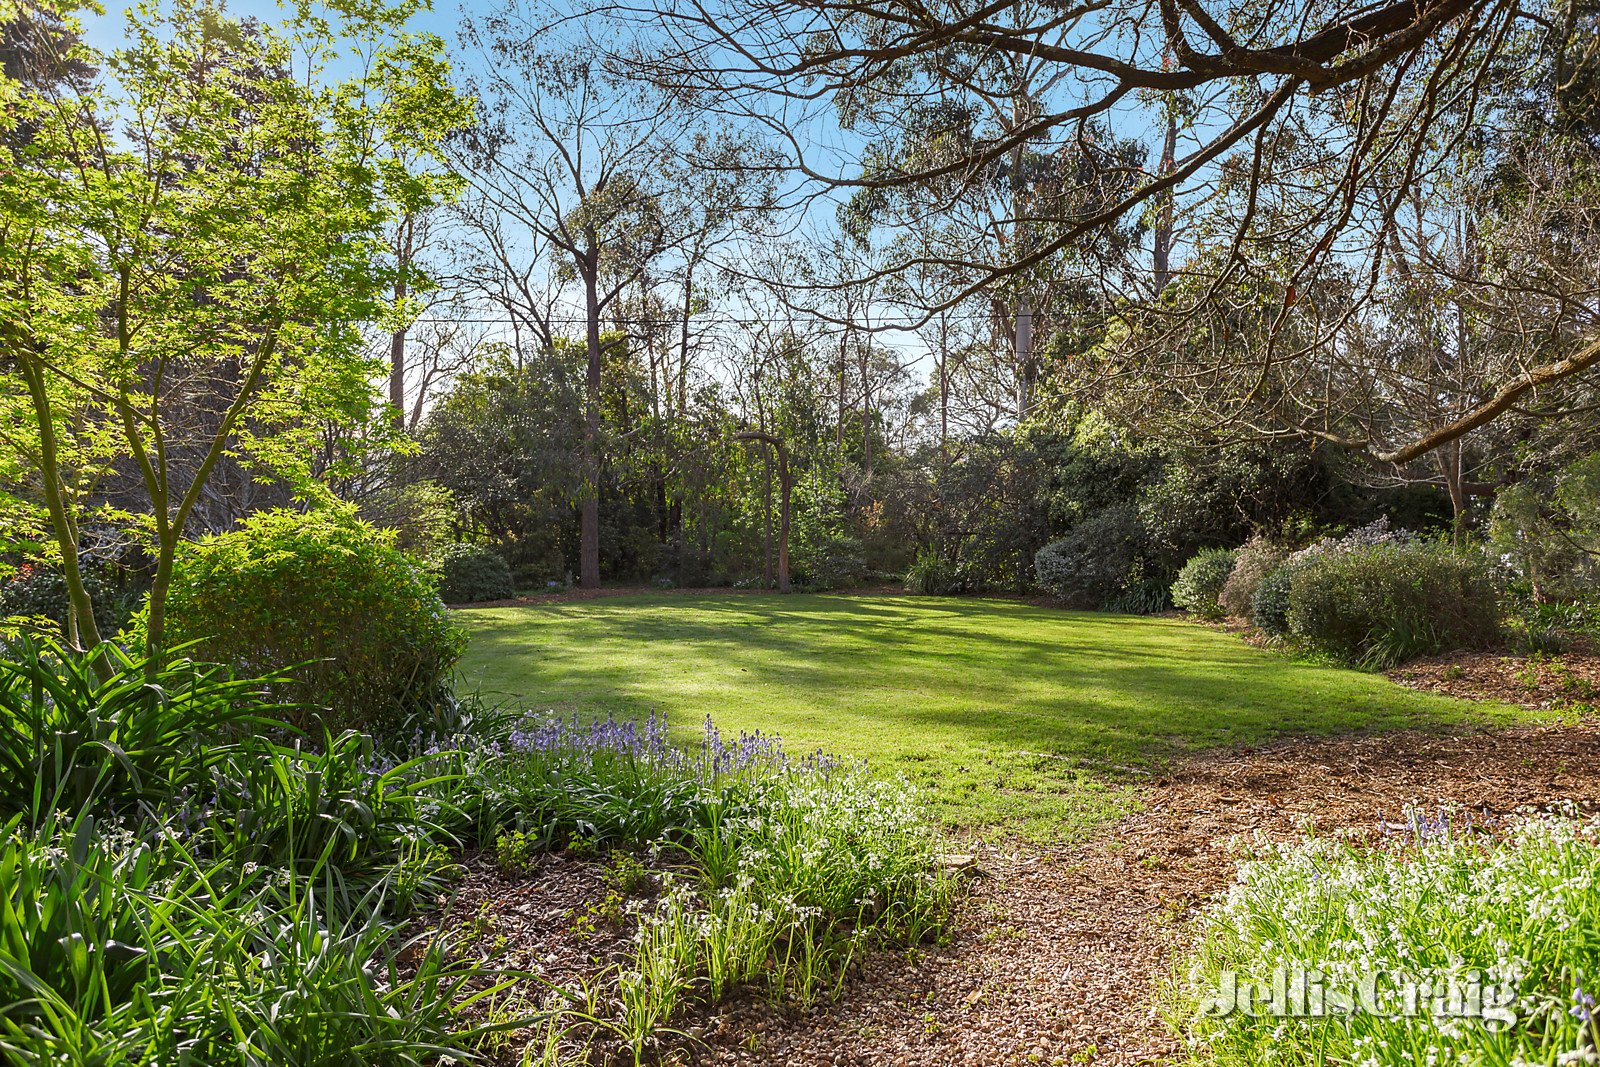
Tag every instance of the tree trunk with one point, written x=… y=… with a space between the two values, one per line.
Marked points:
x=397 y=342
x=785 y=494
x=944 y=385
x=1164 y=210
x=589 y=515
x=1451 y=467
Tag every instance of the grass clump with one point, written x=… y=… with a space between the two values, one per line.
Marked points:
x=1513 y=915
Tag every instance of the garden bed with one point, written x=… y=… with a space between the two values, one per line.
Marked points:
x=1056 y=953
x=1529 y=681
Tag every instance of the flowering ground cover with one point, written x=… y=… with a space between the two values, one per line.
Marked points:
x=1014 y=718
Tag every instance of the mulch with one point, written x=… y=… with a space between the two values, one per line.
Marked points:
x=1060 y=955
x=1530 y=681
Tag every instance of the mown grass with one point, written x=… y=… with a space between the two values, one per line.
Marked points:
x=1015 y=718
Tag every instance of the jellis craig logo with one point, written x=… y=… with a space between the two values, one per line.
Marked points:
x=1310 y=993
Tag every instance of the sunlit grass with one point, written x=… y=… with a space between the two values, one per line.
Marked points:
x=1016 y=717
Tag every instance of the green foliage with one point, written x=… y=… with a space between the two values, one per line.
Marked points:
x=38 y=592
x=119 y=951
x=930 y=575
x=175 y=887
x=1269 y=605
x=1549 y=530
x=70 y=737
x=1200 y=582
x=356 y=623
x=471 y=573
x=1096 y=561
x=1253 y=562
x=343 y=808
x=1383 y=604
x=830 y=561
x=794 y=866
x=1549 y=628
x=194 y=251
x=1441 y=901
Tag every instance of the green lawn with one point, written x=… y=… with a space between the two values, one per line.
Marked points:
x=1014 y=717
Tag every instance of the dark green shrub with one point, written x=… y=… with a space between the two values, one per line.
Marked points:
x=1252 y=563
x=1382 y=604
x=356 y=623
x=39 y=592
x=1096 y=562
x=828 y=562
x=1269 y=606
x=930 y=575
x=1201 y=580
x=470 y=573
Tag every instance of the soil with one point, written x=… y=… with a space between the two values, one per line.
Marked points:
x=1060 y=955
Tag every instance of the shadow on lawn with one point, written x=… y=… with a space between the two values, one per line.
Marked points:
x=898 y=676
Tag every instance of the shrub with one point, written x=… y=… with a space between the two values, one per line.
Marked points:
x=930 y=575
x=326 y=598
x=1383 y=604
x=39 y=592
x=1548 y=530
x=1550 y=628
x=1258 y=558
x=1269 y=607
x=1096 y=561
x=470 y=573
x=1201 y=580
x=831 y=561
x=1437 y=903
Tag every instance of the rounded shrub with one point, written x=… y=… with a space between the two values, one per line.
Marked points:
x=1200 y=582
x=1382 y=604
x=1097 y=562
x=470 y=573
x=1269 y=604
x=1256 y=559
x=357 y=624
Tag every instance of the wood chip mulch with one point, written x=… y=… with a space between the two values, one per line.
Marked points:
x=1058 y=955
x=1529 y=681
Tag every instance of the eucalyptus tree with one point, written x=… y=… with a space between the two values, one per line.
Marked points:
x=1315 y=124
x=1451 y=337
x=190 y=246
x=583 y=176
